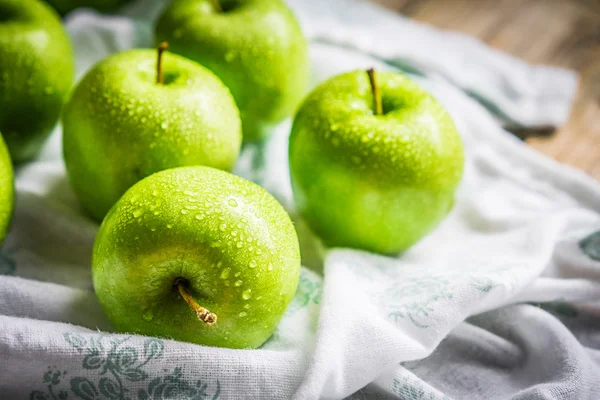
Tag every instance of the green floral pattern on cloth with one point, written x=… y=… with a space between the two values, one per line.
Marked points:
x=418 y=296
x=591 y=246
x=119 y=364
x=308 y=292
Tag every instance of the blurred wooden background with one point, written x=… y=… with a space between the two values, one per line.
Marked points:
x=564 y=33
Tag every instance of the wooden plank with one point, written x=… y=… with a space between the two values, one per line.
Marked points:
x=555 y=32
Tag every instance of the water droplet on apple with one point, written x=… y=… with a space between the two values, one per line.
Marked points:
x=164 y=125
x=238 y=283
x=229 y=56
x=169 y=226
x=153 y=229
x=199 y=217
x=184 y=211
x=247 y=294
x=137 y=213
x=252 y=264
x=270 y=268
x=222 y=227
x=232 y=203
x=237 y=274
x=234 y=233
x=148 y=315
x=246 y=306
x=243 y=314
x=239 y=245
x=225 y=273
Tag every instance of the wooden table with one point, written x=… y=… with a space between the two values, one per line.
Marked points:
x=564 y=33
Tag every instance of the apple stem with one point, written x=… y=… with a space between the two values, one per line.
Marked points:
x=217 y=6
x=377 y=107
x=159 y=67
x=202 y=313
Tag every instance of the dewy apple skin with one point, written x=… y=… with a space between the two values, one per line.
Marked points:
x=374 y=161
x=139 y=112
x=36 y=74
x=63 y=7
x=199 y=255
x=256 y=47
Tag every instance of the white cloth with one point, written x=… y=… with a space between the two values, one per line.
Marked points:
x=359 y=322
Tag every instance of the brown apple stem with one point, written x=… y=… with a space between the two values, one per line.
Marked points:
x=377 y=107
x=159 y=71
x=202 y=313
x=217 y=6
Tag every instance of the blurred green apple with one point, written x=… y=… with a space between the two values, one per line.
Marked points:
x=65 y=6
x=122 y=125
x=255 y=46
x=374 y=162
x=199 y=255
x=6 y=189
x=36 y=74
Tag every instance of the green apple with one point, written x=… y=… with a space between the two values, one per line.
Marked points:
x=65 y=6
x=369 y=179
x=122 y=124
x=6 y=189
x=255 y=46
x=198 y=255
x=36 y=74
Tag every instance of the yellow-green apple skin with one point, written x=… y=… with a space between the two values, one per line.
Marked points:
x=255 y=46
x=6 y=189
x=373 y=182
x=36 y=74
x=65 y=6
x=229 y=239
x=121 y=126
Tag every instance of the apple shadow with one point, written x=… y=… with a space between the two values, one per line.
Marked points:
x=312 y=249
x=51 y=240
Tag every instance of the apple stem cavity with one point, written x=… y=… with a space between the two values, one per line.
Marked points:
x=377 y=107
x=159 y=61
x=202 y=313
x=217 y=6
